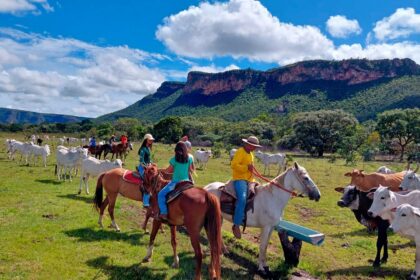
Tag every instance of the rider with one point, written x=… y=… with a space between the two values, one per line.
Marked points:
x=242 y=165
x=181 y=165
x=111 y=140
x=92 y=142
x=124 y=140
x=145 y=159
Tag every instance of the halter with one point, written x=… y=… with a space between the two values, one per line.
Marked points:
x=257 y=174
x=301 y=181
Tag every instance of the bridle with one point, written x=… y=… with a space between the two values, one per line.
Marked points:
x=272 y=182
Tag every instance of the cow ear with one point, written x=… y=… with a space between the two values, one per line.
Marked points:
x=296 y=165
x=339 y=189
x=370 y=195
x=417 y=212
x=348 y=174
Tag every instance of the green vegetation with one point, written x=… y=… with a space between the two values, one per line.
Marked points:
x=49 y=232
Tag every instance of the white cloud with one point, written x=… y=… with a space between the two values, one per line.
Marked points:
x=212 y=68
x=23 y=6
x=240 y=28
x=400 y=24
x=66 y=75
x=341 y=27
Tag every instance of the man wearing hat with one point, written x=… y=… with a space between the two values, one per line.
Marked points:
x=242 y=165
x=145 y=159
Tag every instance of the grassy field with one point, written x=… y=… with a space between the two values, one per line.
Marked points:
x=47 y=231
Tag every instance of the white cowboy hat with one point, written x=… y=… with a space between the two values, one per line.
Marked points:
x=148 y=136
x=253 y=141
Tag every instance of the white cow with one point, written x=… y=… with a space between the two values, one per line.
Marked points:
x=68 y=159
x=232 y=153
x=384 y=170
x=411 y=180
x=202 y=157
x=407 y=223
x=93 y=167
x=39 y=151
x=23 y=148
x=267 y=159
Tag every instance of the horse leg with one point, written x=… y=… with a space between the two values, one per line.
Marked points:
x=175 y=264
x=195 y=242
x=262 y=262
x=112 y=199
x=155 y=228
x=146 y=219
x=102 y=210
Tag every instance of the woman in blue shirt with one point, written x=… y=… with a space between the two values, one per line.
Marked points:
x=145 y=159
x=181 y=165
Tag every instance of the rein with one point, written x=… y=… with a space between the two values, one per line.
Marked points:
x=258 y=175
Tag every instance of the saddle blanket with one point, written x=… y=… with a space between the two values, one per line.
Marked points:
x=132 y=177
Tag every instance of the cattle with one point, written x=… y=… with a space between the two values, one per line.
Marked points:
x=232 y=153
x=407 y=223
x=384 y=170
x=411 y=180
x=39 y=151
x=359 y=202
x=366 y=182
x=92 y=167
x=68 y=159
x=202 y=157
x=267 y=159
x=23 y=148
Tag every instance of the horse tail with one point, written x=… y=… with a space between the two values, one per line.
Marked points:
x=213 y=225
x=97 y=199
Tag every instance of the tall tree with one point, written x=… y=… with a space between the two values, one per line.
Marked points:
x=168 y=130
x=401 y=126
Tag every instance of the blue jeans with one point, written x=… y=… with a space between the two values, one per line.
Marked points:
x=146 y=196
x=162 y=197
x=241 y=190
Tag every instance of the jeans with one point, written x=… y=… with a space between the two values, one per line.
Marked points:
x=241 y=190
x=146 y=196
x=162 y=197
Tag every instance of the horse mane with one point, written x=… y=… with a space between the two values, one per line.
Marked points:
x=269 y=186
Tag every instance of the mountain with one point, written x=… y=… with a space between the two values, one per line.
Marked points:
x=19 y=116
x=362 y=87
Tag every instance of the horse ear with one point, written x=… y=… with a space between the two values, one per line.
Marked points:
x=339 y=189
x=296 y=165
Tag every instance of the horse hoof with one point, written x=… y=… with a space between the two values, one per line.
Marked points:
x=263 y=273
x=79 y=192
x=175 y=265
x=145 y=260
x=376 y=264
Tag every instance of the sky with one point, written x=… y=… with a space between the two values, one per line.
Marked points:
x=93 y=57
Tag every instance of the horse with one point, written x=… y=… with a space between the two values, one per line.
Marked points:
x=269 y=203
x=113 y=183
x=95 y=150
x=194 y=208
x=119 y=150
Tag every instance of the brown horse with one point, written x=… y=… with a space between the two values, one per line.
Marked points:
x=119 y=150
x=113 y=183
x=194 y=208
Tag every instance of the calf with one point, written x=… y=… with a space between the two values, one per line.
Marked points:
x=359 y=203
x=366 y=182
x=407 y=223
x=202 y=157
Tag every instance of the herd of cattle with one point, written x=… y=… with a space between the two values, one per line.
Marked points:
x=378 y=200
x=383 y=200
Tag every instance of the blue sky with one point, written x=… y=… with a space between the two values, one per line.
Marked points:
x=93 y=57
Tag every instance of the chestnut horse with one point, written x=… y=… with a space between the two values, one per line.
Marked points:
x=193 y=208
x=120 y=150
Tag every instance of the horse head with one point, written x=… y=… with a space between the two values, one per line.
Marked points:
x=151 y=178
x=302 y=182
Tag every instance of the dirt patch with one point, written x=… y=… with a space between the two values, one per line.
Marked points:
x=50 y=216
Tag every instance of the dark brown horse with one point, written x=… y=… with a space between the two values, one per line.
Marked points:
x=194 y=208
x=119 y=150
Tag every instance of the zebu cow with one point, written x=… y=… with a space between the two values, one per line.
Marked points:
x=93 y=167
x=411 y=180
x=365 y=182
x=39 y=151
x=23 y=148
x=232 y=153
x=407 y=223
x=68 y=159
x=267 y=159
x=359 y=203
x=384 y=170
x=202 y=157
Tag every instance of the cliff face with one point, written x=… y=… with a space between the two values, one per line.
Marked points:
x=347 y=72
x=167 y=88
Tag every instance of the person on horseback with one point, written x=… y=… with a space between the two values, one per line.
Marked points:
x=92 y=142
x=124 y=140
x=145 y=159
x=242 y=166
x=112 y=139
x=181 y=165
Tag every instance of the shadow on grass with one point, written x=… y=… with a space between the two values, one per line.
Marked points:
x=135 y=271
x=48 y=181
x=369 y=271
x=91 y=235
x=77 y=197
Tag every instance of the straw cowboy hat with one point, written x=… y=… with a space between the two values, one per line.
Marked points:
x=253 y=141
x=148 y=136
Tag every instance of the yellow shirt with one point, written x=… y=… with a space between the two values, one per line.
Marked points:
x=240 y=163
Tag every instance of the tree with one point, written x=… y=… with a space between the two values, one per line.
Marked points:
x=401 y=126
x=322 y=131
x=168 y=130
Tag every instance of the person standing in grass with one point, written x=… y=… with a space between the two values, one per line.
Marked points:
x=181 y=165
x=145 y=159
x=242 y=166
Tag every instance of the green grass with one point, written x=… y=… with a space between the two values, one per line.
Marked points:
x=49 y=232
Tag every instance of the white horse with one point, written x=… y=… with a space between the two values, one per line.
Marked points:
x=269 y=203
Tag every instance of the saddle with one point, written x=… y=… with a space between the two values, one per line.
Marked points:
x=228 y=198
x=179 y=189
x=132 y=177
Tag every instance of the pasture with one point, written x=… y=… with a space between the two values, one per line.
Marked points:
x=47 y=231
